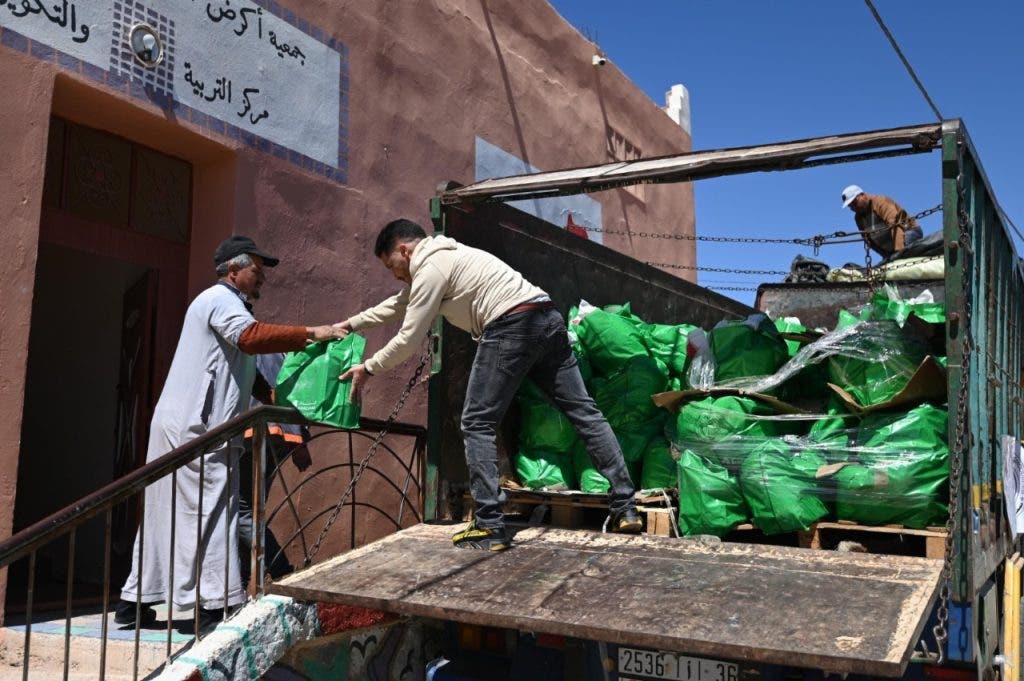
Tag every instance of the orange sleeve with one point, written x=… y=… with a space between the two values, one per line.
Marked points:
x=262 y=338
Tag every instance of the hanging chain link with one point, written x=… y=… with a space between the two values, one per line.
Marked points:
x=695 y=237
x=732 y=288
x=872 y=275
x=726 y=270
x=962 y=437
x=816 y=241
x=369 y=454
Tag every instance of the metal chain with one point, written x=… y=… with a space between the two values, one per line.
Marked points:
x=695 y=237
x=815 y=241
x=870 y=274
x=726 y=270
x=826 y=239
x=369 y=455
x=962 y=438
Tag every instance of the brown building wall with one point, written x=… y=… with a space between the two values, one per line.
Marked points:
x=425 y=80
x=24 y=120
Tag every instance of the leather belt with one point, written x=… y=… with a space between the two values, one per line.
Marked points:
x=525 y=307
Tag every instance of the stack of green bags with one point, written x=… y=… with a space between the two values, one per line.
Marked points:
x=624 y=361
x=737 y=463
x=732 y=457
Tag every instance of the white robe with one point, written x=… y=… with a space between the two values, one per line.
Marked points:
x=210 y=382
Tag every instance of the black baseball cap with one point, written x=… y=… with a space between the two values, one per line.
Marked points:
x=236 y=245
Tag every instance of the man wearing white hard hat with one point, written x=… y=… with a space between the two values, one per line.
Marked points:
x=883 y=223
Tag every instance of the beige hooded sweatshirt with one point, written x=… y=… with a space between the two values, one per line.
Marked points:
x=469 y=287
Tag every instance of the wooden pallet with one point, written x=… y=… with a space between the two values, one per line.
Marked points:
x=572 y=510
x=934 y=538
x=929 y=542
x=578 y=510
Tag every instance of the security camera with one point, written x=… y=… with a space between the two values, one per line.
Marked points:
x=598 y=60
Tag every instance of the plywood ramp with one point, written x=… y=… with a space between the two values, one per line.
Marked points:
x=842 y=612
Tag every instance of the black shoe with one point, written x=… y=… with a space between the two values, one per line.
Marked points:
x=626 y=521
x=484 y=538
x=124 y=613
x=208 y=619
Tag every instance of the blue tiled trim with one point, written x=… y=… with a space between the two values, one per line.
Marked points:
x=41 y=51
x=68 y=63
x=121 y=83
x=15 y=40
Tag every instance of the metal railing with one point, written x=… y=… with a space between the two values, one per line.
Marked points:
x=409 y=465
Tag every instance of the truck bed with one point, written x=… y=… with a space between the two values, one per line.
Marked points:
x=841 y=612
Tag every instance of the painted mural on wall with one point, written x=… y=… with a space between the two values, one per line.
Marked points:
x=574 y=213
x=247 y=69
x=392 y=652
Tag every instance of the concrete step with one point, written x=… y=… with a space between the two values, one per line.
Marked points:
x=47 y=648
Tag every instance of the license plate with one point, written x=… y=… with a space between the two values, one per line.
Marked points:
x=652 y=664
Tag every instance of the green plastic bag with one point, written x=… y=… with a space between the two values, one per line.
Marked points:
x=308 y=381
x=634 y=443
x=586 y=370
x=590 y=479
x=780 y=489
x=539 y=469
x=542 y=425
x=846 y=318
x=724 y=429
x=878 y=364
x=609 y=340
x=624 y=397
x=659 y=469
x=790 y=325
x=903 y=476
x=710 y=500
x=667 y=343
x=625 y=312
x=749 y=347
x=885 y=307
x=810 y=381
x=835 y=423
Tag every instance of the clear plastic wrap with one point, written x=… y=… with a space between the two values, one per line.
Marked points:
x=792 y=470
x=872 y=360
x=736 y=453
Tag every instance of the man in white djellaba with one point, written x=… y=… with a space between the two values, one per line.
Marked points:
x=210 y=381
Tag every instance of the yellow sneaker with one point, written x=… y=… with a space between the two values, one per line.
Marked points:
x=485 y=538
x=626 y=521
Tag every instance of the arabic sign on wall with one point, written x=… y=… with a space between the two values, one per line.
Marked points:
x=247 y=69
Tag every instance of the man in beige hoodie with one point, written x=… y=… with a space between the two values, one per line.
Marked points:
x=519 y=334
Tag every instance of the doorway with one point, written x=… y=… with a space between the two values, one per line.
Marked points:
x=110 y=294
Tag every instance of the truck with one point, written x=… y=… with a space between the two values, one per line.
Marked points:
x=575 y=604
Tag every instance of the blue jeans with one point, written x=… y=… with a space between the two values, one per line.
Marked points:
x=533 y=344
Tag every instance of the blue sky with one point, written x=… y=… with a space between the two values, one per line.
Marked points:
x=760 y=72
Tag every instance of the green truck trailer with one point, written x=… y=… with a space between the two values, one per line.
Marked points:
x=578 y=604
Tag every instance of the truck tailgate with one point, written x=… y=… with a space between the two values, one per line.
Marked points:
x=841 y=612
